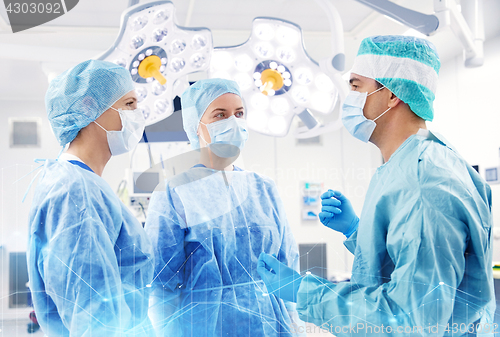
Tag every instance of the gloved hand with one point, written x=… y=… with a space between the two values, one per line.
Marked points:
x=337 y=213
x=280 y=279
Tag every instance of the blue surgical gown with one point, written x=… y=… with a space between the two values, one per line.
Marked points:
x=422 y=252
x=89 y=259
x=208 y=229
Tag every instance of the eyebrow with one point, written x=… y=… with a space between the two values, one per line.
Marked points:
x=224 y=110
x=218 y=109
x=354 y=79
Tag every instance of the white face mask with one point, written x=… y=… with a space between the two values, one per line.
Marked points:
x=228 y=136
x=353 y=118
x=133 y=124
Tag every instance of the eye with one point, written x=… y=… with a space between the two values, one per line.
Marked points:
x=354 y=87
x=239 y=114
x=219 y=115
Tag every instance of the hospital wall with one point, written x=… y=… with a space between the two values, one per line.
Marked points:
x=14 y=164
x=467 y=113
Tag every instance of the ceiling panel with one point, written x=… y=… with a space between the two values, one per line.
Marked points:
x=238 y=14
x=217 y=14
x=221 y=14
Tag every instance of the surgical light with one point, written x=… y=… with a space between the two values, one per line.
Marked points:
x=120 y=62
x=277 y=124
x=260 y=102
x=141 y=93
x=158 y=89
x=159 y=54
x=198 y=42
x=177 y=46
x=198 y=61
x=264 y=31
x=243 y=63
x=285 y=54
x=159 y=34
x=304 y=76
x=137 y=41
x=244 y=81
x=221 y=61
x=160 y=16
x=222 y=74
x=320 y=101
x=280 y=106
x=284 y=79
x=146 y=111
x=300 y=95
x=139 y=23
x=258 y=120
x=287 y=36
x=177 y=64
x=264 y=50
x=324 y=83
x=161 y=106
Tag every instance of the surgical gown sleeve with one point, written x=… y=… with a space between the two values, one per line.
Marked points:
x=426 y=238
x=166 y=229
x=88 y=262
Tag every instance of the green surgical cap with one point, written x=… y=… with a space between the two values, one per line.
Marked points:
x=81 y=94
x=196 y=99
x=408 y=66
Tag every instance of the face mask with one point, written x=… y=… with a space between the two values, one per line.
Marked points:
x=352 y=115
x=128 y=137
x=228 y=136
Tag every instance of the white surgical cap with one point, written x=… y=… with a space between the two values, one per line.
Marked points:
x=406 y=65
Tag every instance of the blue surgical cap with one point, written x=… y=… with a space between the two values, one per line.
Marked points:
x=196 y=99
x=81 y=94
x=406 y=65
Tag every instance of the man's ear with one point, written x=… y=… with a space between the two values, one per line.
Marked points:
x=394 y=101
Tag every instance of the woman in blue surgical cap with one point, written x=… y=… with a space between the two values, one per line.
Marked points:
x=89 y=260
x=209 y=227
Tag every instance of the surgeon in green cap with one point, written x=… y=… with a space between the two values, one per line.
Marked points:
x=422 y=243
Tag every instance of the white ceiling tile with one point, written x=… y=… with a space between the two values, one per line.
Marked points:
x=238 y=14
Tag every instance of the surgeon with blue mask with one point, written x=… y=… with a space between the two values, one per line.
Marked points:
x=221 y=126
x=422 y=243
x=209 y=226
x=90 y=262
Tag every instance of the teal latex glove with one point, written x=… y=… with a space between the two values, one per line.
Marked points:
x=280 y=279
x=337 y=213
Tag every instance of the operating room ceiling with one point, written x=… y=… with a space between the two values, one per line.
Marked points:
x=217 y=14
x=92 y=26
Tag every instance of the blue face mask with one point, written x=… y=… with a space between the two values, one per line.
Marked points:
x=352 y=115
x=228 y=136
